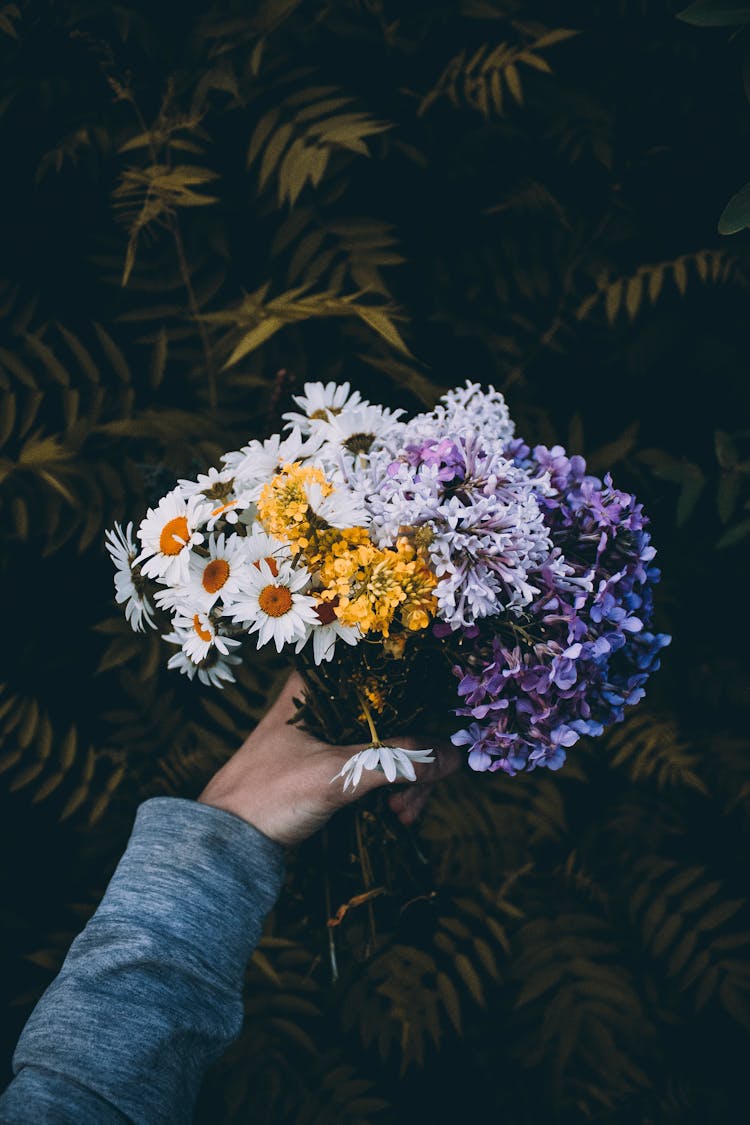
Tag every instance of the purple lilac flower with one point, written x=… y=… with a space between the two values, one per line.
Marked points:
x=584 y=648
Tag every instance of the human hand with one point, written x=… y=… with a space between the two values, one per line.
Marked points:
x=280 y=778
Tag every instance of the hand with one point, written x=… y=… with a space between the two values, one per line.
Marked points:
x=280 y=778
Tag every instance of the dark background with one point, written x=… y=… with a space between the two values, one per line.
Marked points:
x=543 y=218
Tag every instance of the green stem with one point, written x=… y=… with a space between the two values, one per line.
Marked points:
x=370 y=722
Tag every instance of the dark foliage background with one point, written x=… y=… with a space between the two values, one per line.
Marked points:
x=200 y=211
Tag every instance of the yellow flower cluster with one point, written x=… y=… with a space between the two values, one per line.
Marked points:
x=376 y=587
x=284 y=508
x=369 y=586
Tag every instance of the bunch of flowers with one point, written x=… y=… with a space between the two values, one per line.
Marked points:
x=397 y=560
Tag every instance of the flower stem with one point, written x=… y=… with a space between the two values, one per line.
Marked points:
x=367 y=877
x=368 y=716
x=329 y=909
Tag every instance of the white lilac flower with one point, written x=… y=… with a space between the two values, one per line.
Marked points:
x=326 y=632
x=480 y=518
x=167 y=533
x=214 y=671
x=320 y=402
x=221 y=575
x=464 y=411
x=259 y=461
x=350 y=436
x=199 y=635
x=122 y=550
x=273 y=604
x=394 y=762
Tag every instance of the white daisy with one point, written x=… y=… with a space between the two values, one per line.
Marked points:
x=167 y=533
x=221 y=575
x=221 y=491
x=321 y=402
x=341 y=508
x=259 y=546
x=215 y=484
x=273 y=606
x=214 y=671
x=128 y=583
x=199 y=635
x=259 y=461
x=392 y=760
x=326 y=632
x=352 y=435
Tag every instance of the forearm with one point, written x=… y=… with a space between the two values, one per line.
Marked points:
x=150 y=993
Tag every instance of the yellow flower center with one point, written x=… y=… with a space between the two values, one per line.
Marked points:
x=215 y=575
x=204 y=634
x=174 y=536
x=275 y=600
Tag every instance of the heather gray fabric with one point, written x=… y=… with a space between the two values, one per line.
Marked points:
x=150 y=993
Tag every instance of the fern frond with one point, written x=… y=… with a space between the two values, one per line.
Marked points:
x=628 y=294
x=10 y=16
x=296 y=139
x=682 y=920
x=579 y=1010
x=335 y=253
x=649 y=747
x=404 y=999
x=257 y=318
x=482 y=80
x=36 y=759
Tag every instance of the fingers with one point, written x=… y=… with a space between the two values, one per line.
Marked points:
x=408 y=803
x=447 y=761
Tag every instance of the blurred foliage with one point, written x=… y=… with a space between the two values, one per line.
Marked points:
x=201 y=212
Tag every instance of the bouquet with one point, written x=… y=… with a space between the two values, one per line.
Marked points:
x=435 y=570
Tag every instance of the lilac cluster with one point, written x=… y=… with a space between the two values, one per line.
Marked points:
x=583 y=648
x=475 y=512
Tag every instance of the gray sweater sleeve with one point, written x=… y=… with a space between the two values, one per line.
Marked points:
x=150 y=993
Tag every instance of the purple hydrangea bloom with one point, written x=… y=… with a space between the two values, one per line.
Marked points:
x=584 y=648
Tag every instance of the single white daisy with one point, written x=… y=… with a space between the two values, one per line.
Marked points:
x=273 y=606
x=340 y=508
x=128 y=582
x=199 y=635
x=320 y=402
x=352 y=435
x=327 y=631
x=221 y=575
x=394 y=762
x=221 y=491
x=215 y=484
x=214 y=671
x=167 y=533
x=259 y=461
